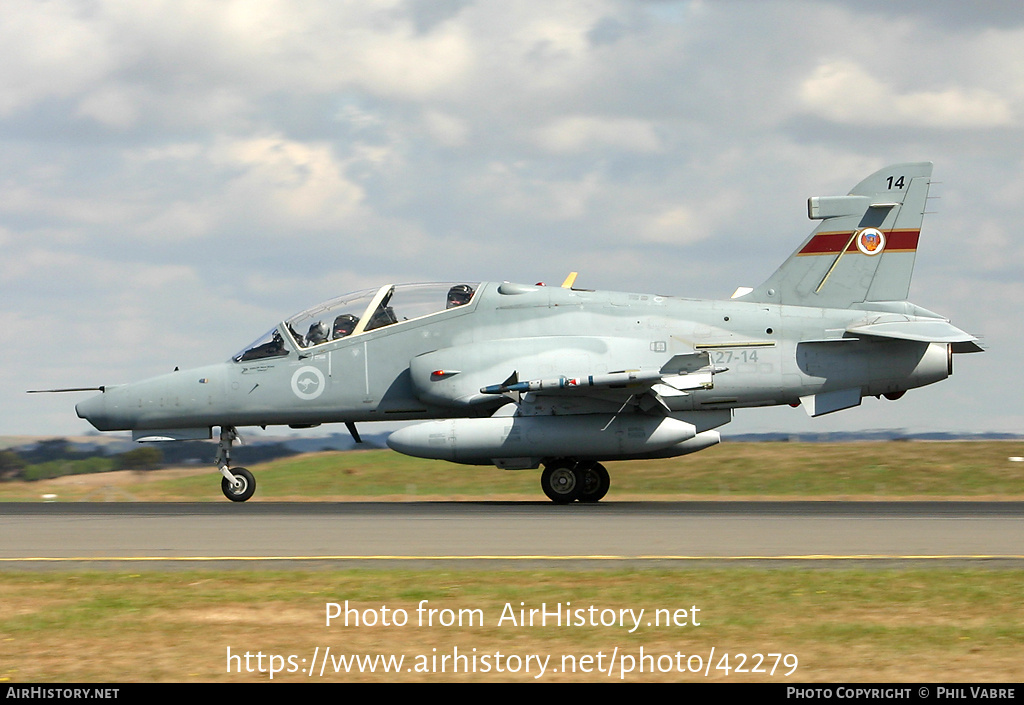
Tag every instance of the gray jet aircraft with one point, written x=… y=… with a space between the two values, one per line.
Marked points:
x=521 y=376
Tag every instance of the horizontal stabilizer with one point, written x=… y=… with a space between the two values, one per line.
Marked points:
x=921 y=331
x=970 y=346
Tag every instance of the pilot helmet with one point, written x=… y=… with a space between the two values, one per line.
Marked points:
x=459 y=295
x=344 y=325
x=317 y=333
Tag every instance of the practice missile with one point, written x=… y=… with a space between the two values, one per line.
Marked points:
x=611 y=379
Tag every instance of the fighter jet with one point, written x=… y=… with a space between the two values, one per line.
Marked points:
x=520 y=376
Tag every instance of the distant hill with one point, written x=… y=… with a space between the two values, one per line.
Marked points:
x=258 y=448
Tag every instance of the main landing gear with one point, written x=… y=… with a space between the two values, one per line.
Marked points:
x=238 y=484
x=568 y=480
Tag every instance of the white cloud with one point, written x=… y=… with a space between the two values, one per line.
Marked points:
x=49 y=49
x=585 y=133
x=293 y=182
x=847 y=93
x=113 y=106
x=447 y=129
x=190 y=60
x=677 y=225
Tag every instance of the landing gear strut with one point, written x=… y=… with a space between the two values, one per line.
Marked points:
x=567 y=480
x=238 y=484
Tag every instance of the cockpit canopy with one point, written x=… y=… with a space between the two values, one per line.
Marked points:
x=358 y=313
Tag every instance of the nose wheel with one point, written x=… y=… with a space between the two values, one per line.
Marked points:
x=243 y=486
x=238 y=484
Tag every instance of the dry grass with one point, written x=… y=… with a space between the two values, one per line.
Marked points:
x=731 y=471
x=894 y=626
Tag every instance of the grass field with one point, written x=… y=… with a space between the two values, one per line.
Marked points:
x=895 y=626
x=870 y=470
x=939 y=624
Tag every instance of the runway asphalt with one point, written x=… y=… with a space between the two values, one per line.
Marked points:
x=290 y=535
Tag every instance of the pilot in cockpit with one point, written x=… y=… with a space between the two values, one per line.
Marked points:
x=317 y=334
x=459 y=295
x=344 y=325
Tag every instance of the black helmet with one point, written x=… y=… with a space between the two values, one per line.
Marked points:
x=344 y=325
x=459 y=295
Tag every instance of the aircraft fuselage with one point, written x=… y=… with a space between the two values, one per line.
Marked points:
x=768 y=354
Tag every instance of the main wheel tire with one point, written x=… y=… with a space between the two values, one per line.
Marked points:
x=560 y=483
x=594 y=481
x=241 y=492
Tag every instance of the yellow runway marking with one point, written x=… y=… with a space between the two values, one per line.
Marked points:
x=811 y=557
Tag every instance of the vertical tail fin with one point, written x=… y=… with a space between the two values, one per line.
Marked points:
x=864 y=248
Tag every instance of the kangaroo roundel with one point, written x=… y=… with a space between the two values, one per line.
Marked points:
x=308 y=382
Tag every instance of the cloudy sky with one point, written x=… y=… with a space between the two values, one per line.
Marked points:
x=177 y=176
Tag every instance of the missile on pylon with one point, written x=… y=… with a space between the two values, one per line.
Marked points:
x=611 y=379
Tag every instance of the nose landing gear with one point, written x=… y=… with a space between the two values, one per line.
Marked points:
x=238 y=484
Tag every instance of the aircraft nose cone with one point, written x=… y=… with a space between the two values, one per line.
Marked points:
x=94 y=410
